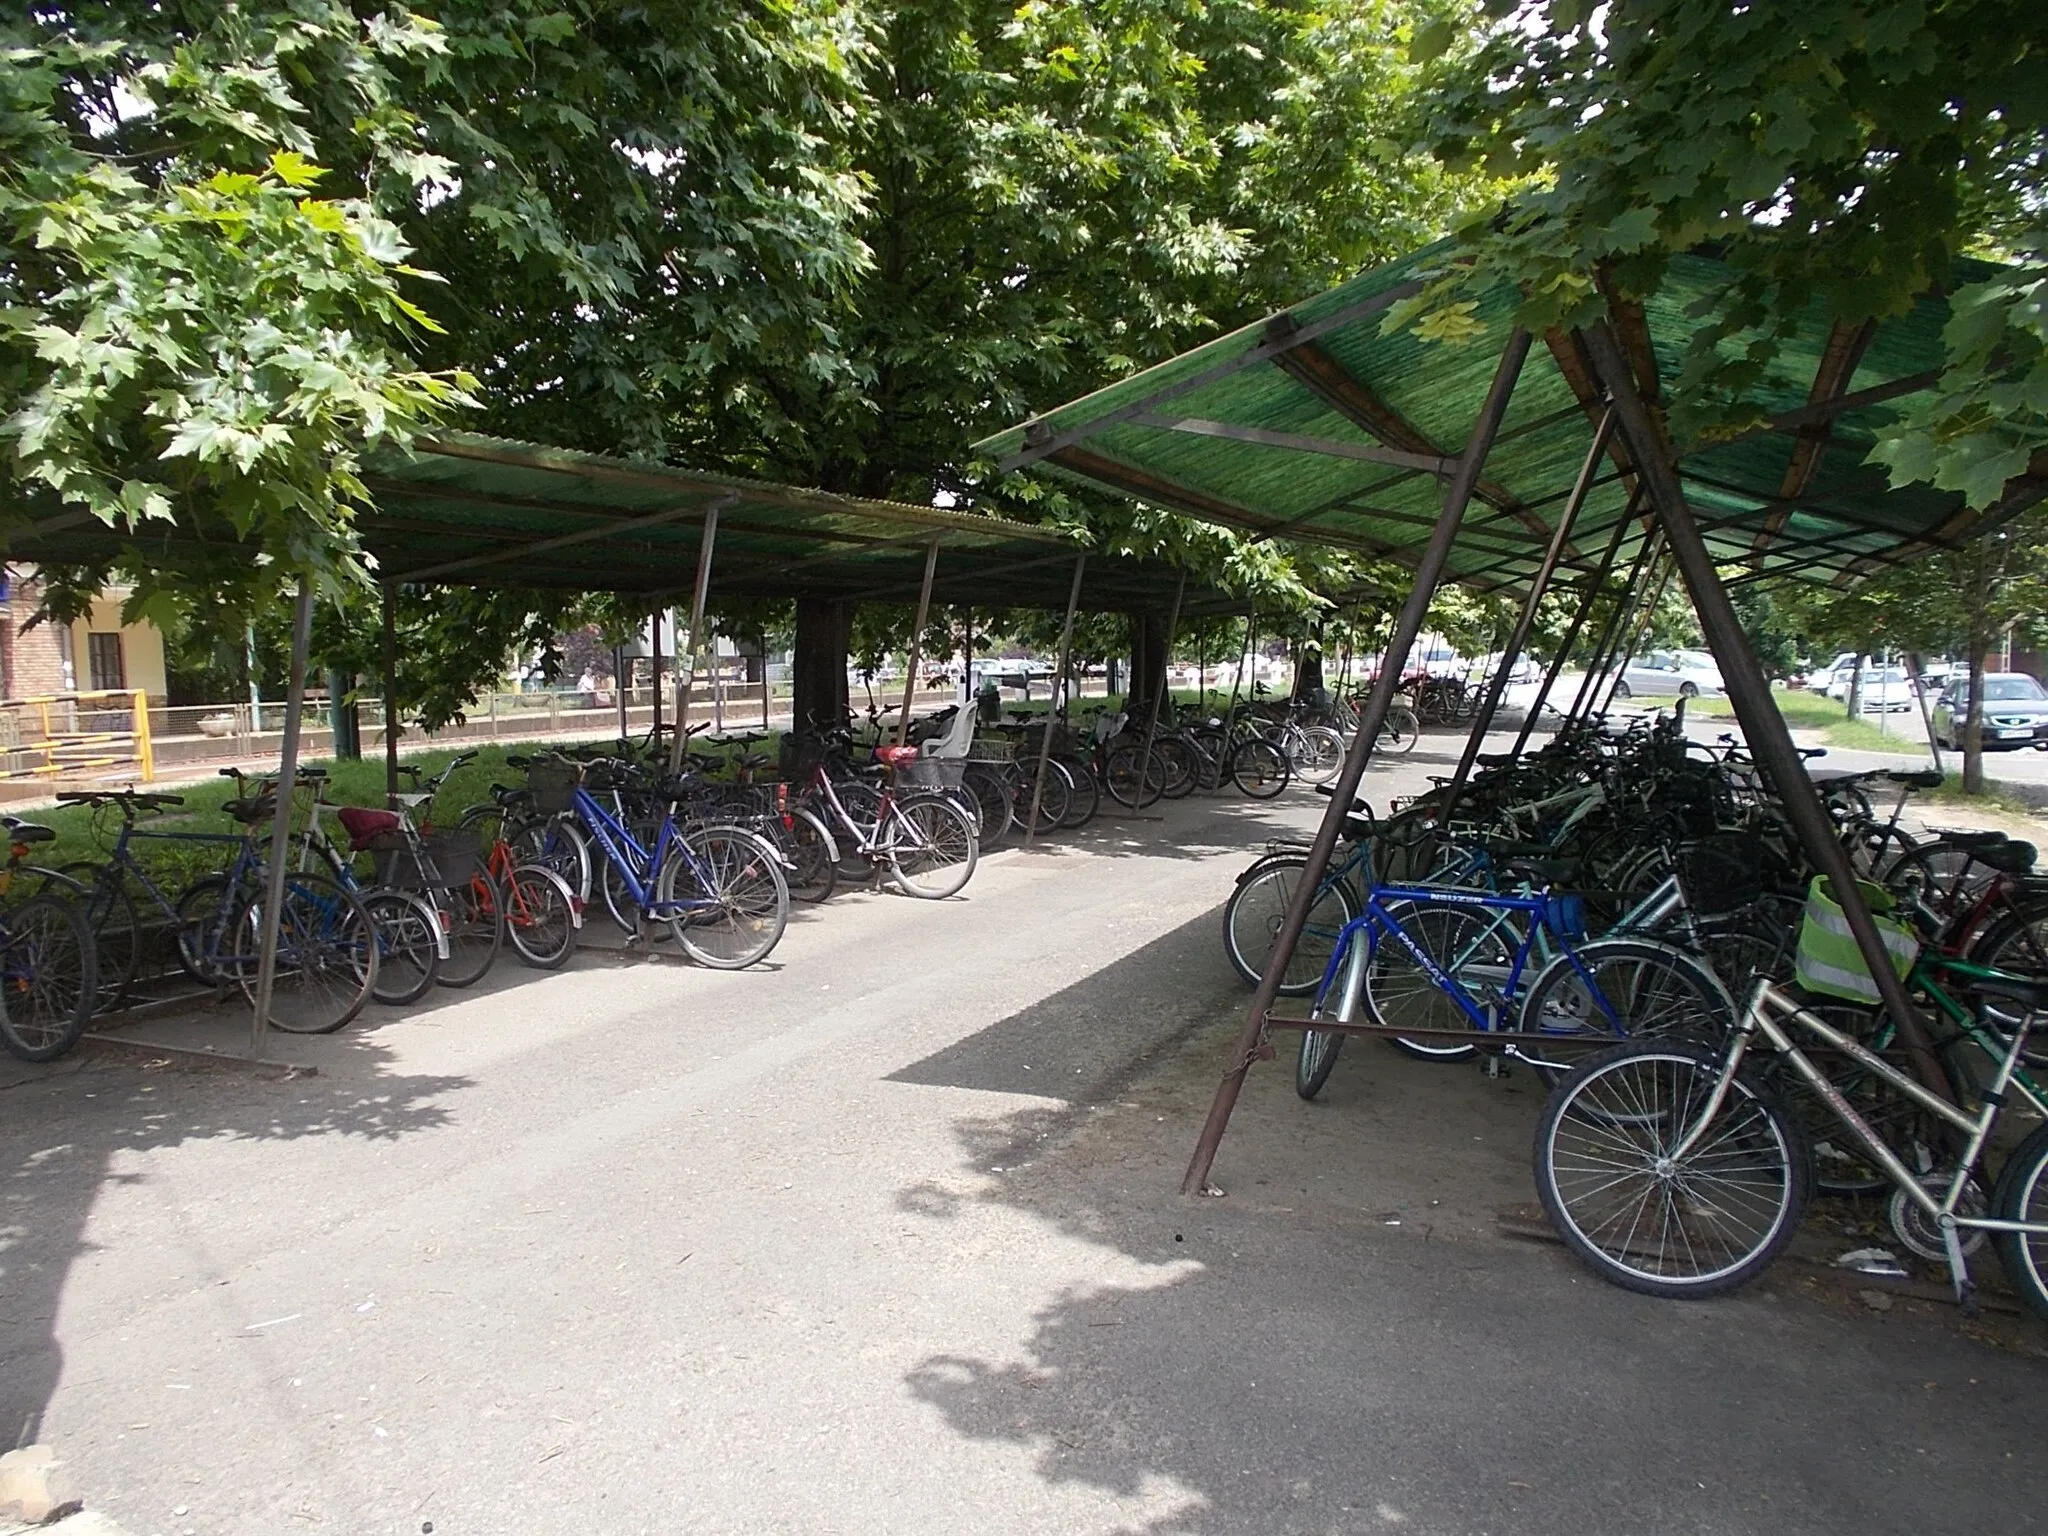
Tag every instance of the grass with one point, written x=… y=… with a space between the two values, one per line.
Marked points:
x=1810 y=712
x=2004 y=798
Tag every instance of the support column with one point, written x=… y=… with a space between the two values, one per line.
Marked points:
x=1763 y=728
x=1180 y=588
x=1045 y=741
x=916 y=656
x=1571 y=634
x=685 y=680
x=391 y=695
x=1538 y=585
x=281 y=822
x=1625 y=604
x=1428 y=572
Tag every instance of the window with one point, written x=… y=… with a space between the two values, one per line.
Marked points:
x=103 y=661
x=2014 y=687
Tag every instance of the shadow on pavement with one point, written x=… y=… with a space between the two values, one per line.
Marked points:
x=66 y=1134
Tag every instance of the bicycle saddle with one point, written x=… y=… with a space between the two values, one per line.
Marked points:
x=363 y=824
x=2031 y=991
x=251 y=811
x=2012 y=857
x=1542 y=871
x=29 y=832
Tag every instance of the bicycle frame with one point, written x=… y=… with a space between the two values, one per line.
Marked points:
x=1758 y=1018
x=634 y=862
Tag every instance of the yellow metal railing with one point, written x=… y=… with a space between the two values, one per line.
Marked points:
x=56 y=734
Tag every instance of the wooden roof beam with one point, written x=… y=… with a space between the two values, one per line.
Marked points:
x=1838 y=363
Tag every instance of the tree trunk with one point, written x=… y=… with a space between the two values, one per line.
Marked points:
x=1913 y=661
x=1148 y=656
x=1856 y=687
x=824 y=630
x=1308 y=665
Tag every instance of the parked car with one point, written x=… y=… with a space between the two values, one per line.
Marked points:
x=2015 y=712
x=1668 y=675
x=1886 y=690
x=1819 y=678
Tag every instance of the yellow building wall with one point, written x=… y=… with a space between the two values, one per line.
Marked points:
x=142 y=647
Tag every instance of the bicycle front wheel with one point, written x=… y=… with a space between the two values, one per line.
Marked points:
x=326 y=956
x=474 y=914
x=408 y=946
x=931 y=848
x=1473 y=947
x=1318 y=754
x=1626 y=987
x=540 y=917
x=1646 y=1216
x=48 y=977
x=725 y=897
x=1398 y=734
x=2021 y=1195
x=1133 y=777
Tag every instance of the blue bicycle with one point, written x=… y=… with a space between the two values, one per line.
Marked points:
x=720 y=888
x=1450 y=962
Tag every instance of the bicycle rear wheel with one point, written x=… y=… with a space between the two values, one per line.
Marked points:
x=992 y=799
x=1318 y=755
x=1182 y=765
x=725 y=896
x=814 y=874
x=1132 y=777
x=931 y=848
x=2021 y=1194
x=1054 y=798
x=408 y=946
x=1259 y=768
x=474 y=913
x=1626 y=987
x=559 y=844
x=1253 y=915
x=1646 y=1217
x=1399 y=732
x=1084 y=795
x=326 y=956
x=48 y=978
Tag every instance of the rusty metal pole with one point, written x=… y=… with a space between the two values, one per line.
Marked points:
x=1539 y=584
x=281 y=822
x=924 y=608
x=1638 y=633
x=1571 y=635
x=391 y=694
x=1625 y=606
x=686 y=680
x=1763 y=728
x=1180 y=588
x=1045 y=741
x=1428 y=572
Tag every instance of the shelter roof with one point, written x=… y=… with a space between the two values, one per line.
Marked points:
x=1317 y=425
x=470 y=510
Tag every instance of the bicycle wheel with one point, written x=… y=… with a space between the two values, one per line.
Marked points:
x=540 y=917
x=1212 y=756
x=930 y=847
x=2021 y=1194
x=1133 y=778
x=2017 y=943
x=992 y=799
x=1084 y=795
x=1646 y=1216
x=1257 y=907
x=814 y=874
x=48 y=978
x=559 y=844
x=1318 y=755
x=1398 y=734
x=205 y=942
x=1054 y=798
x=725 y=896
x=1941 y=874
x=618 y=895
x=1181 y=763
x=1259 y=768
x=408 y=946
x=116 y=928
x=1626 y=987
x=326 y=955
x=474 y=915
x=1320 y=1047
x=1474 y=946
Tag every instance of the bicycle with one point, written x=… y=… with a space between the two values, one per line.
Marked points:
x=49 y=978
x=924 y=839
x=1672 y=1170
x=326 y=964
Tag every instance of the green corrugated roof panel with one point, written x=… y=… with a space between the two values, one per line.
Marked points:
x=1326 y=370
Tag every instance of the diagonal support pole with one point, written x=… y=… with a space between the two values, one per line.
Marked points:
x=686 y=676
x=1624 y=609
x=924 y=608
x=281 y=822
x=1428 y=572
x=1639 y=634
x=1511 y=653
x=1763 y=728
x=1571 y=634
x=1045 y=741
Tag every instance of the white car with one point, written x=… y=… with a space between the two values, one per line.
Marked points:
x=1668 y=675
x=1820 y=679
x=1886 y=690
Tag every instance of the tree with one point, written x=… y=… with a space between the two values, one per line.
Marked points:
x=1840 y=155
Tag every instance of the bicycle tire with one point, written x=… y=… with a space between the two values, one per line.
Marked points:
x=1133 y=777
x=1656 y=992
x=1084 y=794
x=1615 y=1117
x=540 y=917
x=1399 y=731
x=326 y=955
x=1181 y=766
x=1055 y=795
x=116 y=926
x=1259 y=768
x=1258 y=905
x=408 y=946
x=742 y=875
x=557 y=843
x=1320 y=1048
x=49 y=983
x=992 y=798
x=1398 y=991
x=203 y=938
x=1321 y=754
x=931 y=848
x=2021 y=1194
x=814 y=872
x=475 y=914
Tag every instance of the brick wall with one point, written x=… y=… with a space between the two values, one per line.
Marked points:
x=32 y=664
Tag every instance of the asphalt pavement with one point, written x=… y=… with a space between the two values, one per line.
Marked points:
x=884 y=1237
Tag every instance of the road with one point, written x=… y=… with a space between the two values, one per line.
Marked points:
x=884 y=1238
